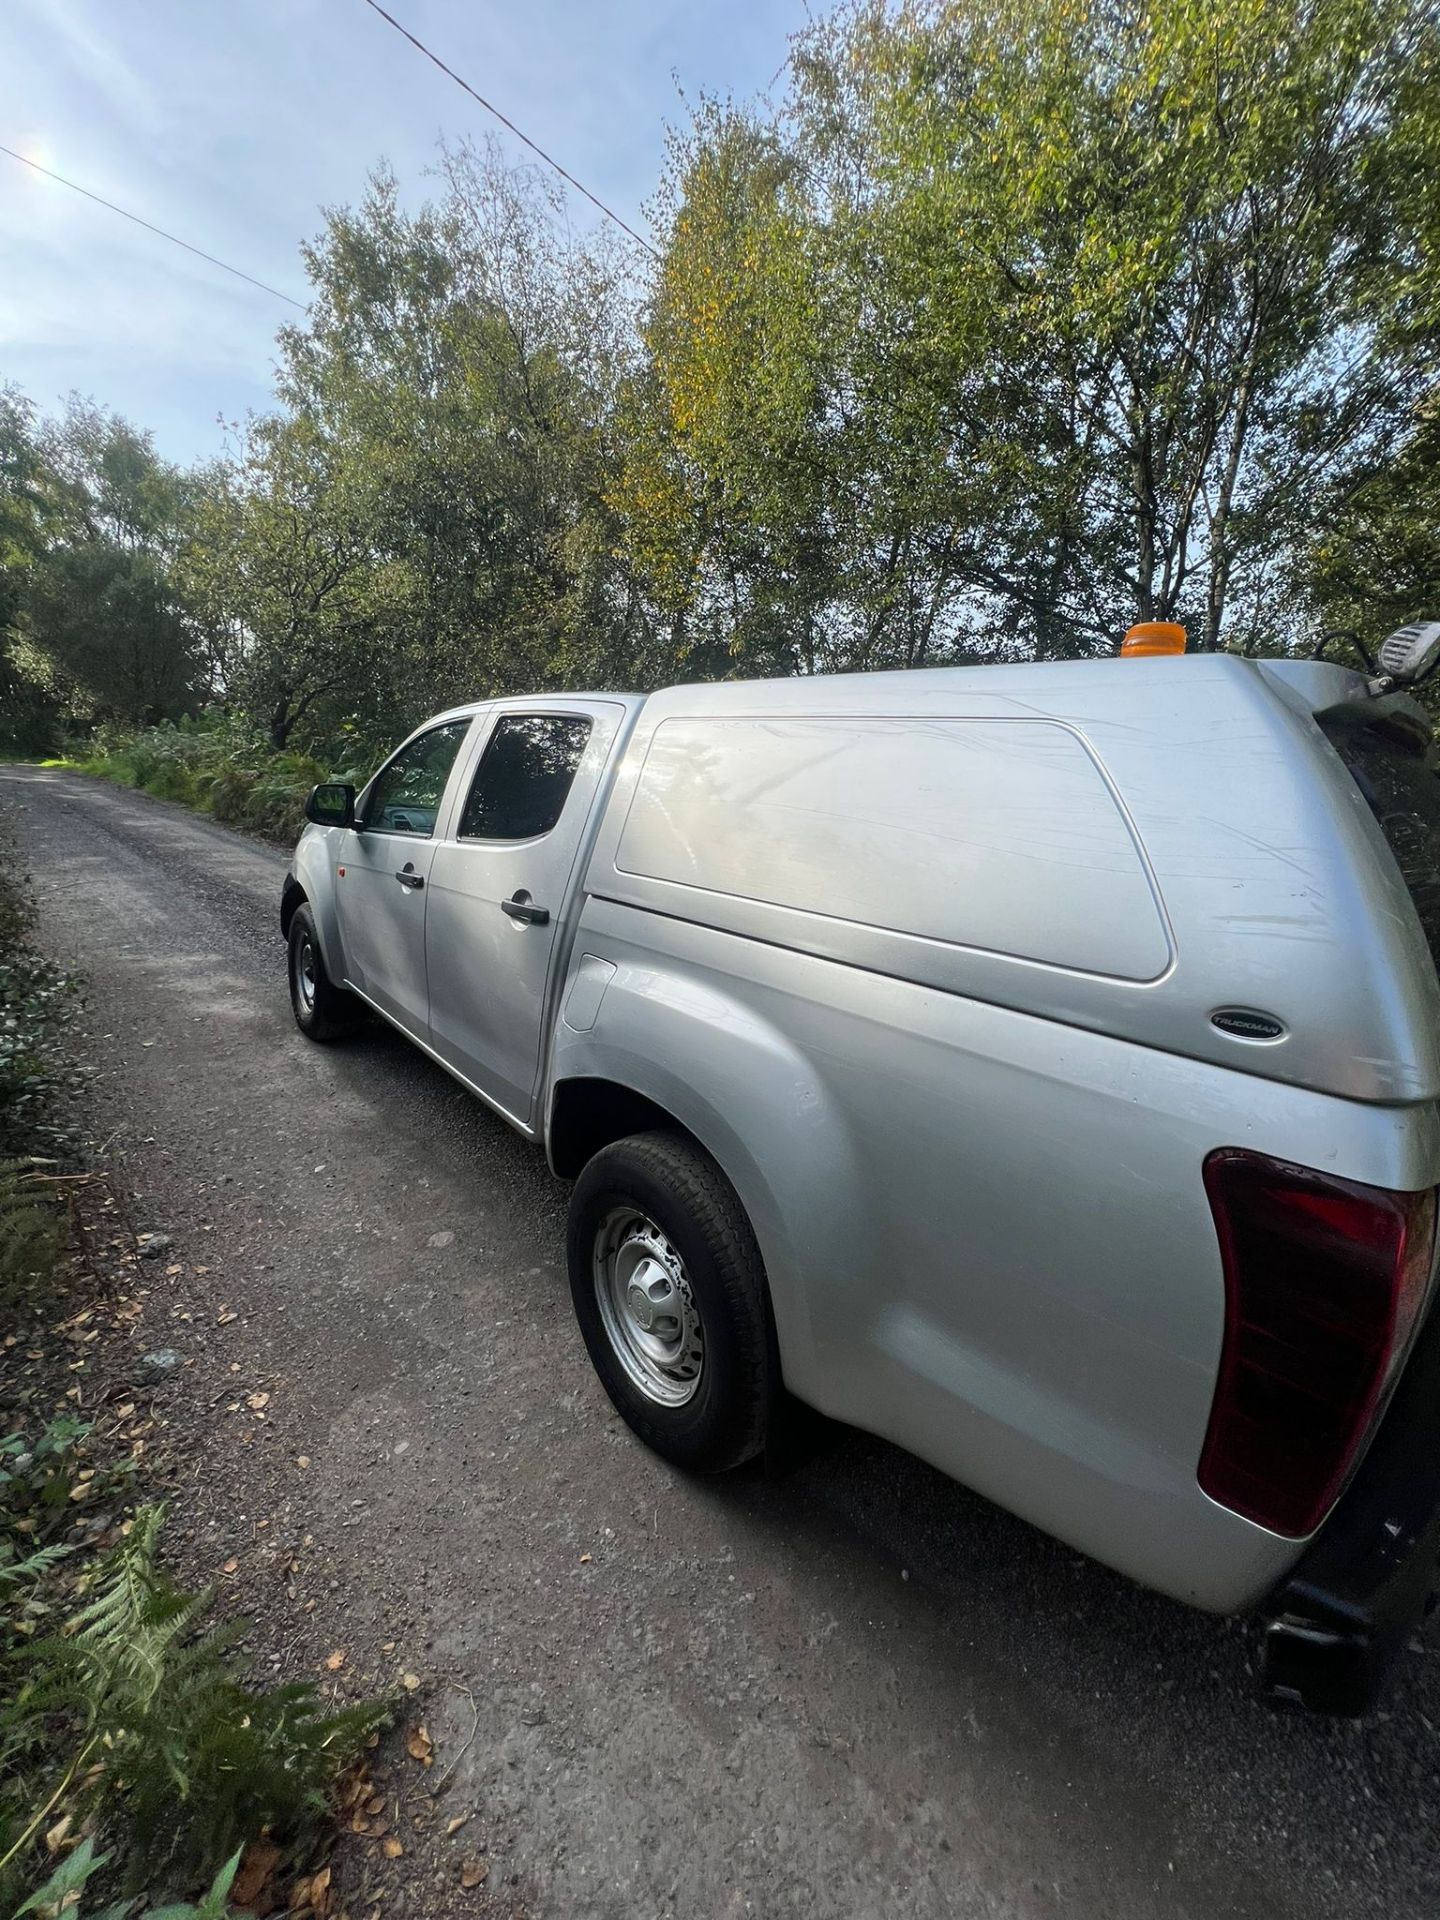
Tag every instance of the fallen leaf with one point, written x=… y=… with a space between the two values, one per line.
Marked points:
x=231 y=1566
x=257 y=1400
x=257 y=1864
x=454 y=1826
x=419 y=1746
x=124 y=1413
x=227 y=1314
x=473 y=1870
x=55 y=1837
x=375 y=1804
x=172 y=1271
x=586 y=1558
x=410 y=1681
x=391 y=1847
x=334 y=1661
x=320 y=1890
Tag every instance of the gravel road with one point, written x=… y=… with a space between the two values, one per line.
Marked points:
x=855 y=1690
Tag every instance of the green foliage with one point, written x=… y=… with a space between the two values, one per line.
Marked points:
x=1375 y=564
x=134 y=1717
x=427 y=520
x=219 y=765
x=36 y=1480
x=1026 y=318
x=61 y=1894
x=92 y=621
x=43 y=1478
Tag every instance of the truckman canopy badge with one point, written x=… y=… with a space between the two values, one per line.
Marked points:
x=1247 y=1023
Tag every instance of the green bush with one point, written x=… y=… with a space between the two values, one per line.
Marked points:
x=217 y=765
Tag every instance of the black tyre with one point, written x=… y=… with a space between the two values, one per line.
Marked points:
x=670 y=1293
x=322 y=1010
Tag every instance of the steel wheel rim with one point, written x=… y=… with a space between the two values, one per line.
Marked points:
x=304 y=971
x=647 y=1308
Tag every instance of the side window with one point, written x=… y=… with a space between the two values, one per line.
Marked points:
x=524 y=777
x=406 y=794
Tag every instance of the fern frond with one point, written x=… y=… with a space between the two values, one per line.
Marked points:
x=195 y=1762
x=34 y=1566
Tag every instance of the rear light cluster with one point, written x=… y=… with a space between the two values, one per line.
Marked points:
x=1325 y=1281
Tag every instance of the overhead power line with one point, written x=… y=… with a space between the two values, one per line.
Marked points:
x=150 y=227
x=549 y=159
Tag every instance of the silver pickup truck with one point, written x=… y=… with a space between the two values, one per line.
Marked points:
x=1036 y=1065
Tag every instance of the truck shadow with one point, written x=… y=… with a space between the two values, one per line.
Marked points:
x=1017 y=1625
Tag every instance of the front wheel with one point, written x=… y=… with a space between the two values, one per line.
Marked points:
x=322 y=1010
x=670 y=1293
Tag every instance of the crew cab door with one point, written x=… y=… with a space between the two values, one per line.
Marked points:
x=383 y=870
x=499 y=883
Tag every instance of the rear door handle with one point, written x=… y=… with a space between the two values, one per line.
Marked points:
x=519 y=908
x=408 y=877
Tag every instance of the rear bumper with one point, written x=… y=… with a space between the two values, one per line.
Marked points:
x=1333 y=1628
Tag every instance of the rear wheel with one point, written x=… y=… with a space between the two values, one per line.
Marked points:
x=670 y=1293
x=322 y=1010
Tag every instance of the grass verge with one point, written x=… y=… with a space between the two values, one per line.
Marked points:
x=215 y=765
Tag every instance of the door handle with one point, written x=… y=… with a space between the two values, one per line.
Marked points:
x=408 y=877
x=519 y=908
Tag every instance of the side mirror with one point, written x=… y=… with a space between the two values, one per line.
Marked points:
x=331 y=804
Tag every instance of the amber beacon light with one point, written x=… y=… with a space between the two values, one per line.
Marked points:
x=1154 y=637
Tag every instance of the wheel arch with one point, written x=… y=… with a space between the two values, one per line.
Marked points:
x=604 y=1090
x=588 y=1112
x=311 y=883
x=292 y=896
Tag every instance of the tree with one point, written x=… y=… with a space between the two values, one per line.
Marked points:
x=91 y=521
x=1375 y=564
x=1028 y=318
x=279 y=564
x=444 y=451
x=29 y=706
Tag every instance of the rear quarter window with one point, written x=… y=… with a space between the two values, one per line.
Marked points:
x=1001 y=835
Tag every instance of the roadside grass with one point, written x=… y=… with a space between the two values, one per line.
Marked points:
x=133 y=1755
x=215 y=765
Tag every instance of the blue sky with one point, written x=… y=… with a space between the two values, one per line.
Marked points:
x=233 y=122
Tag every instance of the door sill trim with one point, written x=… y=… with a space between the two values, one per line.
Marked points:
x=494 y=1105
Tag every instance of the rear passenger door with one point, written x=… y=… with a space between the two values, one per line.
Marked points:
x=499 y=884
